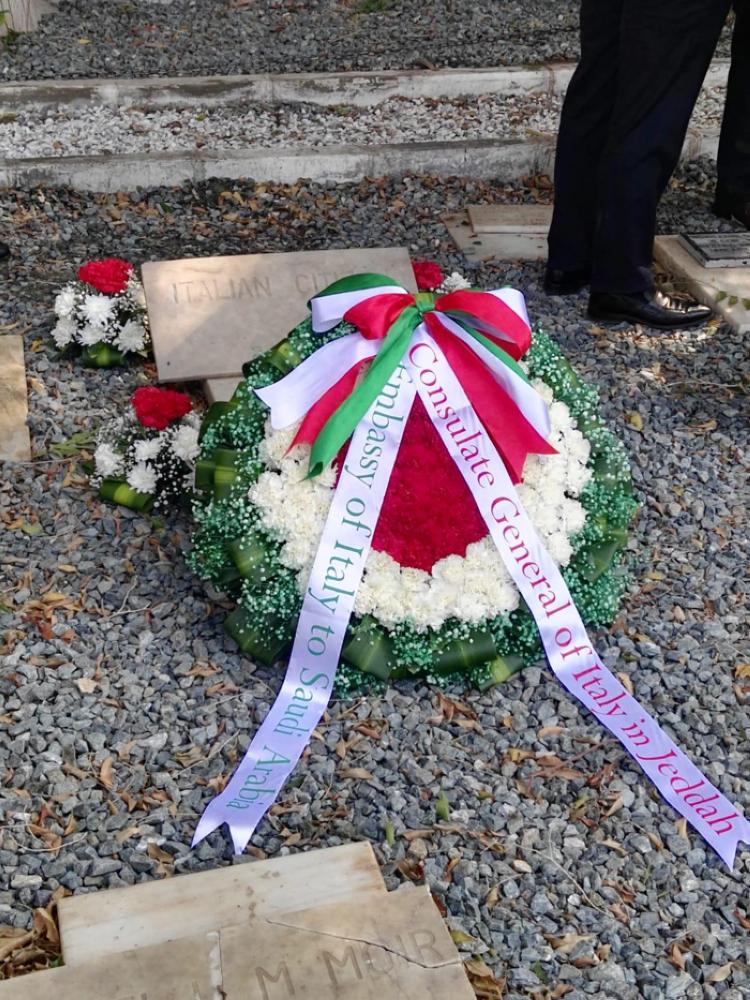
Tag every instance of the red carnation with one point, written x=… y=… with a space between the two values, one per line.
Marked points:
x=109 y=276
x=428 y=274
x=159 y=407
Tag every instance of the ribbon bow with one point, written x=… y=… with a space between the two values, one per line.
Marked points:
x=482 y=334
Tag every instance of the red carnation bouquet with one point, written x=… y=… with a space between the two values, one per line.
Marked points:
x=429 y=276
x=109 y=276
x=103 y=313
x=146 y=457
x=158 y=408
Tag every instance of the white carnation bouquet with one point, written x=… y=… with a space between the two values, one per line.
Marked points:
x=146 y=458
x=103 y=313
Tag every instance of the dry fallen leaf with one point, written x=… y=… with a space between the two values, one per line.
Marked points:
x=613 y=845
x=127 y=833
x=721 y=974
x=549 y=731
x=635 y=420
x=358 y=773
x=106 y=774
x=742 y=670
x=619 y=913
x=155 y=852
x=567 y=942
x=626 y=682
x=676 y=957
x=617 y=804
x=86 y=685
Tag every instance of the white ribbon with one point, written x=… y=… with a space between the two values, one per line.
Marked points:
x=566 y=643
x=326 y=610
x=291 y=398
x=340 y=563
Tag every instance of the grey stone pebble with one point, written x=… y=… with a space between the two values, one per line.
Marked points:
x=210 y=37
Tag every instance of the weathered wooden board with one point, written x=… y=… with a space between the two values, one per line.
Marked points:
x=15 y=444
x=106 y=923
x=210 y=315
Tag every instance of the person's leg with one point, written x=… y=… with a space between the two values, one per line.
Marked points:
x=666 y=48
x=584 y=126
x=733 y=167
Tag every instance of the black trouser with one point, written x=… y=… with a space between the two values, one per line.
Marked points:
x=734 y=148
x=623 y=124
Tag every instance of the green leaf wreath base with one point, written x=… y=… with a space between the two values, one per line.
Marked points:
x=234 y=551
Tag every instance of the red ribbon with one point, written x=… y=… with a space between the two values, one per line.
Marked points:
x=514 y=437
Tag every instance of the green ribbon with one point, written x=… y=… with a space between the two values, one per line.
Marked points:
x=117 y=491
x=101 y=355
x=341 y=425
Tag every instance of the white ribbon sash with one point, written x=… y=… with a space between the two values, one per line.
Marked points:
x=566 y=643
x=321 y=630
x=342 y=555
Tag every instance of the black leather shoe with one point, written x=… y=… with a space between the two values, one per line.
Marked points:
x=731 y=203
x=647 y=308
x=4 y=251
x=559 y=282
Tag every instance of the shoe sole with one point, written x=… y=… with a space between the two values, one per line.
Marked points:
x=622 y=318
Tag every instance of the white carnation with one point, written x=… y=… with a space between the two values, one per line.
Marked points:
x=136 y=292
x=455 y=282
x=185 y=443
x=147 y=449
x=473 y=587
x=65 y=302
x=108 y=462
x=90 y=335
x=132 y=337
x=97 y=310
x=64 y=331
x=142 y=478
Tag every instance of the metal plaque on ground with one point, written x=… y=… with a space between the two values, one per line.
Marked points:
x=718 y=249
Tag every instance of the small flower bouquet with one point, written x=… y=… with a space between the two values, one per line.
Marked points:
x=103 y=313
x=146 y=458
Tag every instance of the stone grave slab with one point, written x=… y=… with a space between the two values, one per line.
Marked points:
x=221 y=390
x=396 y=947
x=24 y=15
x=533 y=220
x=718 y=250
x=210 y=315
x=102 y=924
x=181 y=970
x=494 y=246
x=363 y=948
x=726 y=289
x=15 y=444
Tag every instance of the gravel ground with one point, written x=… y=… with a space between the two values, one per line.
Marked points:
x=122 y=702
x=94 y=38
x=98 y=130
